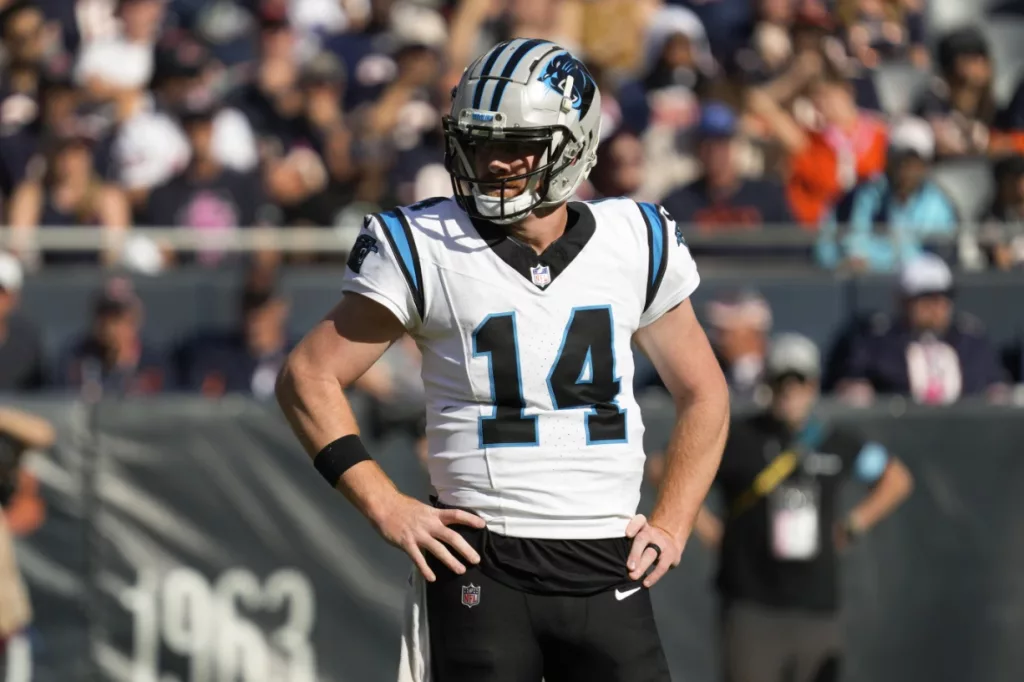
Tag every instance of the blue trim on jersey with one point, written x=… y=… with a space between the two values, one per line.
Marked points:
x=401 y=241
x=657 y=262
x=592 y=410
x=519 y=374
x=510 y=68
x=485 y=72
x=657 y=237
x=399 y=234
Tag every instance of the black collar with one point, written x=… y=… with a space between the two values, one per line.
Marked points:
x=557 y=257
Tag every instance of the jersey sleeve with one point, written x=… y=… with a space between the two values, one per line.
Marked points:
x=671 y=272
x=381 y=266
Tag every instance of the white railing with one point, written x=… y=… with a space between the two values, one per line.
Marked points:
x=332 y=239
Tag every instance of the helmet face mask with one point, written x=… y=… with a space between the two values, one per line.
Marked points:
x=466 y=144
x=525 y=98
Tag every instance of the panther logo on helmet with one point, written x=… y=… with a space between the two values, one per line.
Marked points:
x=557 y=71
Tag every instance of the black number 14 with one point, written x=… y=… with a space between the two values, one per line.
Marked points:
x=583 y=376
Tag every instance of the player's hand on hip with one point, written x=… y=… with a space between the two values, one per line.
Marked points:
x=413 y=527
x=652 y=546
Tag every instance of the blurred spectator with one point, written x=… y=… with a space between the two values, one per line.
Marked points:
x=664 y=102
x=112 y=357
x=1002 y=231
x=961 y=105
x=783 y=531
x=739 y=326
x=399 y=137
x=26 y=121
x=721 y=199
x=884 y=30
x=206 y=195
x=478 y=26
x=66 y=191
x=890 y=216
x=144 y=146
x=246 y=361
x=786 y=66
x=364 y=54
x=181 y=67
x=127 y=58
x=928 y=353
x=728 y=23
x=847 y=146
x=611 y=33
x=28 y=43
x=771 y=46
x=21 y=352
x=620 y=167
x=294 y=137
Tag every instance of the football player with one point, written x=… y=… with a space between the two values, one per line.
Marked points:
x=525 y=304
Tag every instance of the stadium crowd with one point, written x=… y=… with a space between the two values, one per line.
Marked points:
x=879 y=127
x=835 y=115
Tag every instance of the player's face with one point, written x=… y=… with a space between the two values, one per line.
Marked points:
x=500 y=160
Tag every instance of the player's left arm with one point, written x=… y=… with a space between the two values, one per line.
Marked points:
x=679 y=348
x=670 y=335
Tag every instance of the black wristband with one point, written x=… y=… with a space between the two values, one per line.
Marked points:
x=339 y=456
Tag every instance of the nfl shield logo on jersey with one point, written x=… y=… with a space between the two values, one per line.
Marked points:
x=541 y=275
x=470 y=595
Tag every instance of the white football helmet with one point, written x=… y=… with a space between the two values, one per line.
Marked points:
x=526 y=91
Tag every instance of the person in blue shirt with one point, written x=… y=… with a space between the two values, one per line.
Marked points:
x=722 y=199
x=883 y=223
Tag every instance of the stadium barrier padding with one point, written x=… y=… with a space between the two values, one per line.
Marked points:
x=192 y=541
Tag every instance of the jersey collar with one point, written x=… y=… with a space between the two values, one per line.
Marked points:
x=555 y=258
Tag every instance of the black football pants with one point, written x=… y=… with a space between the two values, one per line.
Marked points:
x=484 y=631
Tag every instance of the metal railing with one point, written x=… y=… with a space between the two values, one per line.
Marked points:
x=339 y=239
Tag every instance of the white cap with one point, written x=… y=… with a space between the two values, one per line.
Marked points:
x=11 y=275
x=913 y=134
x=926 y=274
x=740 y=309
x=793 y=353
x=416 y=25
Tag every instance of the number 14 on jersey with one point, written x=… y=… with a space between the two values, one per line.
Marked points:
x=582 y=376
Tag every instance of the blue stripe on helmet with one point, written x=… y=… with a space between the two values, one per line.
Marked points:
x=510 y=68
x=485 y=70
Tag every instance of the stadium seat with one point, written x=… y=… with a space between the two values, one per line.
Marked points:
x=942 y=16
x=1006 y=40
x=969 y=184
x=898 y=85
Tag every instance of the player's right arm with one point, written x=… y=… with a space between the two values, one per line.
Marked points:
x=311 y=393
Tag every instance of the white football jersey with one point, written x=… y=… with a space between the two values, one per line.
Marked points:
x=527 y=360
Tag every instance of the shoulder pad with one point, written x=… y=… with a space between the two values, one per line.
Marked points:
x=880 y=324
x=425 y=204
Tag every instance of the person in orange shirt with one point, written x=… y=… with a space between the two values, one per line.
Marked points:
x=846 y=147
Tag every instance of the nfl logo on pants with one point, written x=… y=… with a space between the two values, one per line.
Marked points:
x=470 y=595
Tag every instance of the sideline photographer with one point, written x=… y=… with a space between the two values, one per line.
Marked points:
x=780 y=538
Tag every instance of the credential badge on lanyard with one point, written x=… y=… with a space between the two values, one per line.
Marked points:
x=794 y=508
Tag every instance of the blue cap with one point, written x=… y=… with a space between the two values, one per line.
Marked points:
x=717 y=120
